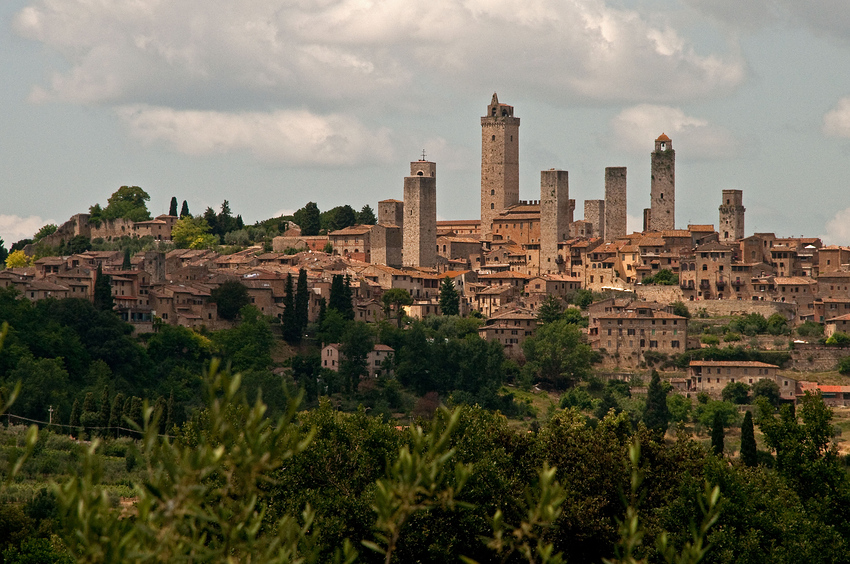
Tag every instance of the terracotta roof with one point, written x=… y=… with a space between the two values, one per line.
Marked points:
x=732 y=363
x=663 y=137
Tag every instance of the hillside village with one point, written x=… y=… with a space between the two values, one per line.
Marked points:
x=504 y=265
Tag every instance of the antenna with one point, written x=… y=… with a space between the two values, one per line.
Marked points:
x=423 y=155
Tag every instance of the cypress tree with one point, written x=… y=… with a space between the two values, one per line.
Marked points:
x=126 y=412
x=172 y=209
x=348 y=311
x=169 y=412
x=103 y=420
x=115 y=420
x=291 y=331
x=749 y=453
x=449 y=298
x=657 y=416
x=126 y=265
x=717 y=434
x=184 y=211
x=136 y=411
x=323 y=310
x=159 y=409
x=88 y=404
x=302 y=301
x=74 y=422
x=103 y=290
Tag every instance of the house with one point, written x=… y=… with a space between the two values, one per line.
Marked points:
x=711 y=376
x=376 y=360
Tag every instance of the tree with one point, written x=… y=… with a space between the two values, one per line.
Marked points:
x=229 y=298
x=340 y=296
x=749 y=453
x=396 y=299
x=74 y=421
x=550 y=310
x=449 y=298
x=3 y=252
x=302 y=301
x=767 y=389
x=115 y=420
x=355 y=346
x=308 y=219
x=736 y=392
x=366 y=216
x=128 y=202
x=717 y=434
x=339 y=217
x=184 y=210
x=557 y=355
x=192 y=232
x=837 y=339
x=17 y=259
x=103 y=291
x=103 y=414
x=777 y=324
x=291 y=329
x=680 y=309
x=126 y=264
x=656 y=416
x=172 y=209
x=583 y=298
x=46 y=230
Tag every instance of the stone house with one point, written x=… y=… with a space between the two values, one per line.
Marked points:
x=711 y=376
x=332 y=356
x=638 y=329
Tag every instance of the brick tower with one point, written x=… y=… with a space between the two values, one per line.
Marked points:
x=499 y=162
x=554 y=217
x=663 y=187
x=731 y=225
x=420 y=215
x=615 y=202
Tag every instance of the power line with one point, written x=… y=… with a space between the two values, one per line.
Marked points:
x=10 y=416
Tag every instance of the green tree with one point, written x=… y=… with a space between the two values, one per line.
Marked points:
x=191 y=232
x=557 y=355
x=777 y=324
x=583 y=298
x=172 y=209
x=291 y=328
x=3 y=253
x=126 y=264
x=366 y=216
x=302 y=301
x=308 y=219
x=184 y=210
x=248 y=345
x=355 y=346
x=115 y=414
x=717 y=434
x=339 y=217
x=449 y=298
x=767 y=389
x=46 y=230
x=550 y=310
x=103 y=291
x=395 y=299
x=749 y=452
x=230 y=297
x=74 y=420
x=837 y=339
x=679 y=308
x=656 y=415
x=736 y=392
x=128 y=202
x=103 y=413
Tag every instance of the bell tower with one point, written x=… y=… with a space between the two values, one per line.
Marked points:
x=663 y=186
x=499 y=162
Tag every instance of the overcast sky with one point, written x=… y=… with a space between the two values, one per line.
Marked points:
x=273 y=103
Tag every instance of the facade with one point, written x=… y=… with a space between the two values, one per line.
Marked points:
x=711 y=376
x=554 y=218
x=499 y=162
x=615 y=203
x=420 y=215
x=636 y=330
x=662 y=213
x=387 y=242
x=731 y=223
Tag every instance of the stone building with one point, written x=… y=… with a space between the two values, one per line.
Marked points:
x=391 y=212
x=731 y=224
x=662 y=213
x=711 y=376
x=615 y=203
x=499 y=162
x=387 y=242
x=420 y=215
x=554 y=218
x=637 y=330
x=594 y=213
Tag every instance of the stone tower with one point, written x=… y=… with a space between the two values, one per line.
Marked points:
x=663 y=190
x=731 y=225
x=499 y=162
x=554 y=217
x=391 y=212
x=594 y=213
x=615 y=202
x=420 y=215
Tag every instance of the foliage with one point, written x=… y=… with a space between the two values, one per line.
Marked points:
x=550 y=310
x=749 y=453
x=583 y=298
x=777 y=325
x=843 y=366
x=736 y=392
x=750 y=324
x=810 y=329
x=449 y=298
x=128 y=202
x=184 y=210
x=366 y=216
x=230 y=297
x=395 y=299
x=247 y=345
x=706 y=413
x=767 y=389
x=172 y=208
x=308 y=219
x=336 y=218
x=711 y=340
x=103 y=291
x=192 y=232
x=557 y=354
x=46 y=230
x=18 y=259
x=657 y=416
x=340 y=298
x=679 y=407
x=717 y=433
x=679 y=308
x=663 y=277
x=837 y=339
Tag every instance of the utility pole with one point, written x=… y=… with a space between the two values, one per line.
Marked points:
x=50 y=411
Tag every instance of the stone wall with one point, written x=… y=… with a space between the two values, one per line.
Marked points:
x=807 y=357
x=615 y=202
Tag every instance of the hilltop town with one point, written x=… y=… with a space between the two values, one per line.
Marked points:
x=504 y=265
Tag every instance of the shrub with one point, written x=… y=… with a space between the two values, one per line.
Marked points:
x=711 y=340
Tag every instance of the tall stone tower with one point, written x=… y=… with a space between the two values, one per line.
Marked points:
x=554 y=217
x=615 y=202
x=420 y=215
x=391 y=212
x=499 y=162
x=594 y=213
x=731 y=225
x=663 y=189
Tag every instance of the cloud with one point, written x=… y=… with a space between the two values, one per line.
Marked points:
x=824 y=17
x=13 y=228
x=635 y=129
x=329 y=54
x=836 y=122
x=838 y=229
x=295 y=137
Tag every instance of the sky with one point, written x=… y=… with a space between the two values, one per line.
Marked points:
x=270 y=104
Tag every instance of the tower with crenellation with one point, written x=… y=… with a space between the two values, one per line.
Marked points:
x=731 y=225
x=662 y=213
x=499 y=162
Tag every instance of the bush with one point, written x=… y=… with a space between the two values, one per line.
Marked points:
x=731 y=336
x=711 y=340
x=810 y=329
x=844 y=365
x=838 y=339
x=736 y=392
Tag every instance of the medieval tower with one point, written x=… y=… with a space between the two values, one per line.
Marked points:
x=499 y=162
x=554 y=217
x=663 y=187
x=731 y=225
x=420 y=215
x=594 y=213
x=615 y=202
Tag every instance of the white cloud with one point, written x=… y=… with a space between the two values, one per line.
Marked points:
x=329 y=53
x=824 y=17
x=635 y=128
x=836 y=122
x=838 y=229
x=13 y=228
x=295 y=137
